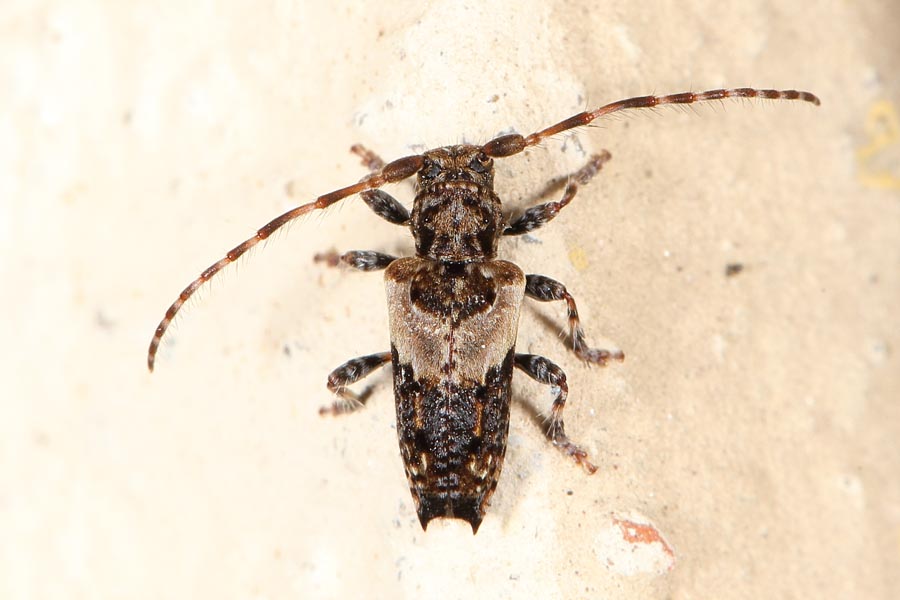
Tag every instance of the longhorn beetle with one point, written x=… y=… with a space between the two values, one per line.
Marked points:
x=454 y=309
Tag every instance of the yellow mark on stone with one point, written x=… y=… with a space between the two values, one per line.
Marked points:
x=578 y=258
x=73 y=192
x=882 y=152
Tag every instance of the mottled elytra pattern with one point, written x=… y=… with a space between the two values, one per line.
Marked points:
x=453 y=333
x=454 y=308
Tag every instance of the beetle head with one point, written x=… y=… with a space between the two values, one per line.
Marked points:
x=456 y=216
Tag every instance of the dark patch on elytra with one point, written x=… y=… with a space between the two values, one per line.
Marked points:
x=461 y=431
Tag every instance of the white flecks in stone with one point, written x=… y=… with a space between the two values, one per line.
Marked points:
x=719 y=348
x=623 y=37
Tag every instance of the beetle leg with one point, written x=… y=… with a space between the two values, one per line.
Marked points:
x=348 y=373
x=382 y=204
x=370 y=160
x=367 y=260
x=540 y=215
x=386 y=206
x=546 y=372
x=362 y=260
x=545 y=289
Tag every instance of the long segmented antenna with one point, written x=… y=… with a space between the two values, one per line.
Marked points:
x=395 y=171
x=400 y=169
x=507 y=145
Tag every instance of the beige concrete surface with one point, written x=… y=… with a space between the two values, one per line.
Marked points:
x=753 y=426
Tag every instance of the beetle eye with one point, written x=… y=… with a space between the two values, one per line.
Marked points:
x=430 y=170
x=480 y=163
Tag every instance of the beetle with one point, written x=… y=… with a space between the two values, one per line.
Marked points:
x=454 y=309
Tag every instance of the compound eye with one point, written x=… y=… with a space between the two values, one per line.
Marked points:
x=430 y=170
x=481 y=163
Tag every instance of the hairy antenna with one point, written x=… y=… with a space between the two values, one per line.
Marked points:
x=403 y=168
x=395 y=171
x=508 y=145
